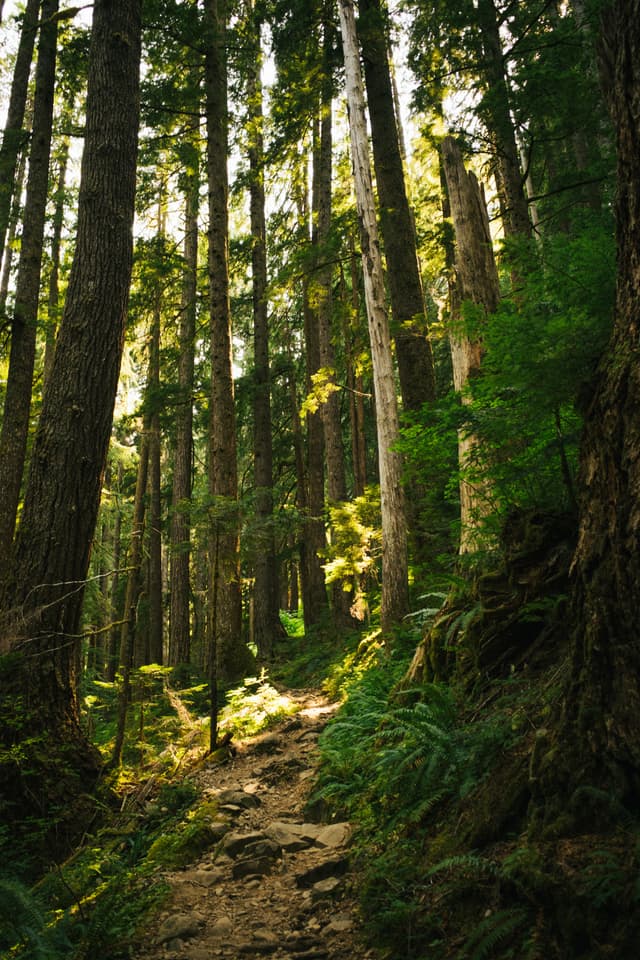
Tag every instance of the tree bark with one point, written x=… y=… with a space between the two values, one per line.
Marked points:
x=476 y=281
x=225 y=598
x=179 y=624
x=17 y=405
x=409 y=326
x=129 y=618
x=41 y=604
x=14 y=138
x=598 y=744
x=395 y=593
x=154 y=653
x=14 y=219
x=516 y=221
x=113 y=644
x=353 y=337
x=266 y=592
x=53 y=300
x=341 y=598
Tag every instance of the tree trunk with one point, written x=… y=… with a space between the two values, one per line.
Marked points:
x=53 y=300
x=156 y=620
x=516 y=221
x=15 y=138
x=41 y=604
x=129 y=617
x=113 y=645
x=409 y=326
x=266 y=598
x=395 y=594
x=353 y=339
x=310 y=495
x=180 y=636
x=225 y=599
x=594 y=765
x=476 y=281
x=341 y=598
x=9 y=248
x=17 y=405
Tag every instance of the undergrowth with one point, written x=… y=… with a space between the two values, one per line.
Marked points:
x=435 y=782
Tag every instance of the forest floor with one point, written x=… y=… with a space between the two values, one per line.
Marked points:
x=275 y=885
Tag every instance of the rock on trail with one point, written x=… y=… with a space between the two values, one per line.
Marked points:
x=276 y=885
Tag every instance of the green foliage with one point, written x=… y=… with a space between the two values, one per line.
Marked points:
x=355 y=548
x=389 y=765
x=188 y=838
x=254 y=706
x=492 y=932
x=21 y=920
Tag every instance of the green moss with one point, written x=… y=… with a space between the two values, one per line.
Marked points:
x=186 y=841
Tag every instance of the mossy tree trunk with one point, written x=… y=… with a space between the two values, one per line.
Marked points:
x=593 y=762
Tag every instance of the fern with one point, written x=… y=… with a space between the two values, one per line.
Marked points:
x=492 y=931
x=465 y=862
x=22 y=922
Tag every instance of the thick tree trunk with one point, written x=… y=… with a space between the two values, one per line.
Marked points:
x=266 y=593
x=17 y=405
x=225 y=599
x=395 y=594
x=179 y=570
x=41 y=605
x=409 y=326
x=476 y=281
x=598 y=744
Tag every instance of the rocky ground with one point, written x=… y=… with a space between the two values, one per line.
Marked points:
x=275 y=885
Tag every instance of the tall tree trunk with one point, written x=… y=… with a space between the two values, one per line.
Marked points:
x=42 y=601
x=156 y=620
x=266 y=593
x=355 y=381
x=127 y=654
x=17 y=405
x=476 y=280
x=341 y=598
x=14 y=218
x=14 y=138
x=225 y=600
x=516 y=221
x=53 y=300
x=180 y=634
x=598 y=744
x=395 y=591
x=409 y=327
x=113 y=644
x=311 y=494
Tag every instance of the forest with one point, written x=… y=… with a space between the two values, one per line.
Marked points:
x=319 y=378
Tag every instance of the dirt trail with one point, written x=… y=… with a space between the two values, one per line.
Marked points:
x=276 y=885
